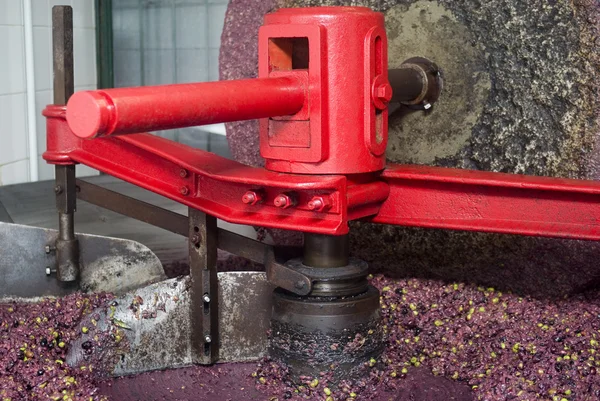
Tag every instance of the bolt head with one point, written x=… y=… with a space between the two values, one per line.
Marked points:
x=319 y=203
x=299 y=284
x=183 y=173
x=207 y=338
x=184 y=191
x=283 y=201
x=206 y=298
x=195 y=239
x=47 y=249
x=384 y=92
x=251 y=198
x=48 y=271
x=426 y=106
x=58 y=190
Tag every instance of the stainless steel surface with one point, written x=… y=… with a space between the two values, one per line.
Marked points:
x=108 y=264
x=164 y=340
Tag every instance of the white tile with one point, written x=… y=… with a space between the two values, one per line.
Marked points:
x=85 y=171
x=11 y=12
x=42 y=57
x=12 y=63
x=190 y=23
x=45 y=170
x=216 y=19
x=213 y=65
x=42 y=99
x=158 y=28
x=40 y=13
x=86 y=88
x=13 y=128
x=14 y=173
x=126 y=19
x=126 y=39
x=158 y=67
x=84 y=56
x=127 y=68
x=192 y=65
x=83 y=14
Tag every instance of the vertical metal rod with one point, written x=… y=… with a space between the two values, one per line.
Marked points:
x=204 y=287
x=326 y=250
x=67 y=246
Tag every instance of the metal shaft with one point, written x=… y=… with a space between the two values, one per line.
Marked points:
x=326 y=250
x=407 y=84
x=67 y=246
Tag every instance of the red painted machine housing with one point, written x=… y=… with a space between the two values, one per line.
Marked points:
x=324 y=121
x=342 y=128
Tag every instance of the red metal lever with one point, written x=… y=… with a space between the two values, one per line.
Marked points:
x=129 y=110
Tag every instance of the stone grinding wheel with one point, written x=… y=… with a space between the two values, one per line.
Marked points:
x=521 y=96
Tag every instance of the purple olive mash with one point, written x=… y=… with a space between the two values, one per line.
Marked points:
x=445 y=341
x=34 y=339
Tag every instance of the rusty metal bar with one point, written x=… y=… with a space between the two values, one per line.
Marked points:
x=203 y=290
x=67 y=246
x=174 y=222
x=131 y=207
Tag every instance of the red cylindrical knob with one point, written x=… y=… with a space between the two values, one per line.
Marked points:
x=129 y=110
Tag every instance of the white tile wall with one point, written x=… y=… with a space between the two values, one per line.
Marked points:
x=13 y=126
x=14 y=173
x=167 y=41
x=14 y=163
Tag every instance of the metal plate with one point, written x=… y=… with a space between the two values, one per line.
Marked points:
x=158 y=329
x=108 y=264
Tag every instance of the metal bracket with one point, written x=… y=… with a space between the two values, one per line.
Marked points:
x=284 y=277
x=204 y=317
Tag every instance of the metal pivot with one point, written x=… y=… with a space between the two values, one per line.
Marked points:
x=67 y=246
x=203 y=287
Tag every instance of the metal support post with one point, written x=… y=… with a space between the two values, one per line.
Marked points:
x=67 y=246
x=204 y=289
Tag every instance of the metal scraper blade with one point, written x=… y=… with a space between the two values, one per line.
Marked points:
x=155 y=322
x=107 y=264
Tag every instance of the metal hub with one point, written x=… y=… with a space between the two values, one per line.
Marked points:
x=336 y=328
x=334 y=335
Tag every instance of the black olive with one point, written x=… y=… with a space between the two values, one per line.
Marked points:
x=40 y=372
x=21 y=354
x=16 y=323
x=44 y=342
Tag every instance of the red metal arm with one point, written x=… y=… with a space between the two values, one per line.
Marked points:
x=132 y=110
x=469 y=200
x=324 y=73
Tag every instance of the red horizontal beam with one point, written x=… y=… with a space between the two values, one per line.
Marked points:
x=491 y=202
x=216 y=185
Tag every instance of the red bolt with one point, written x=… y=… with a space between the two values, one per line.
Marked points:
x=183 y=173
x=184 y=191
x=319 y=203
x=251 y=198
x=284 y=201
x=381 y=92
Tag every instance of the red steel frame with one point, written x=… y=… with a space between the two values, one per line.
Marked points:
x=324 y=152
